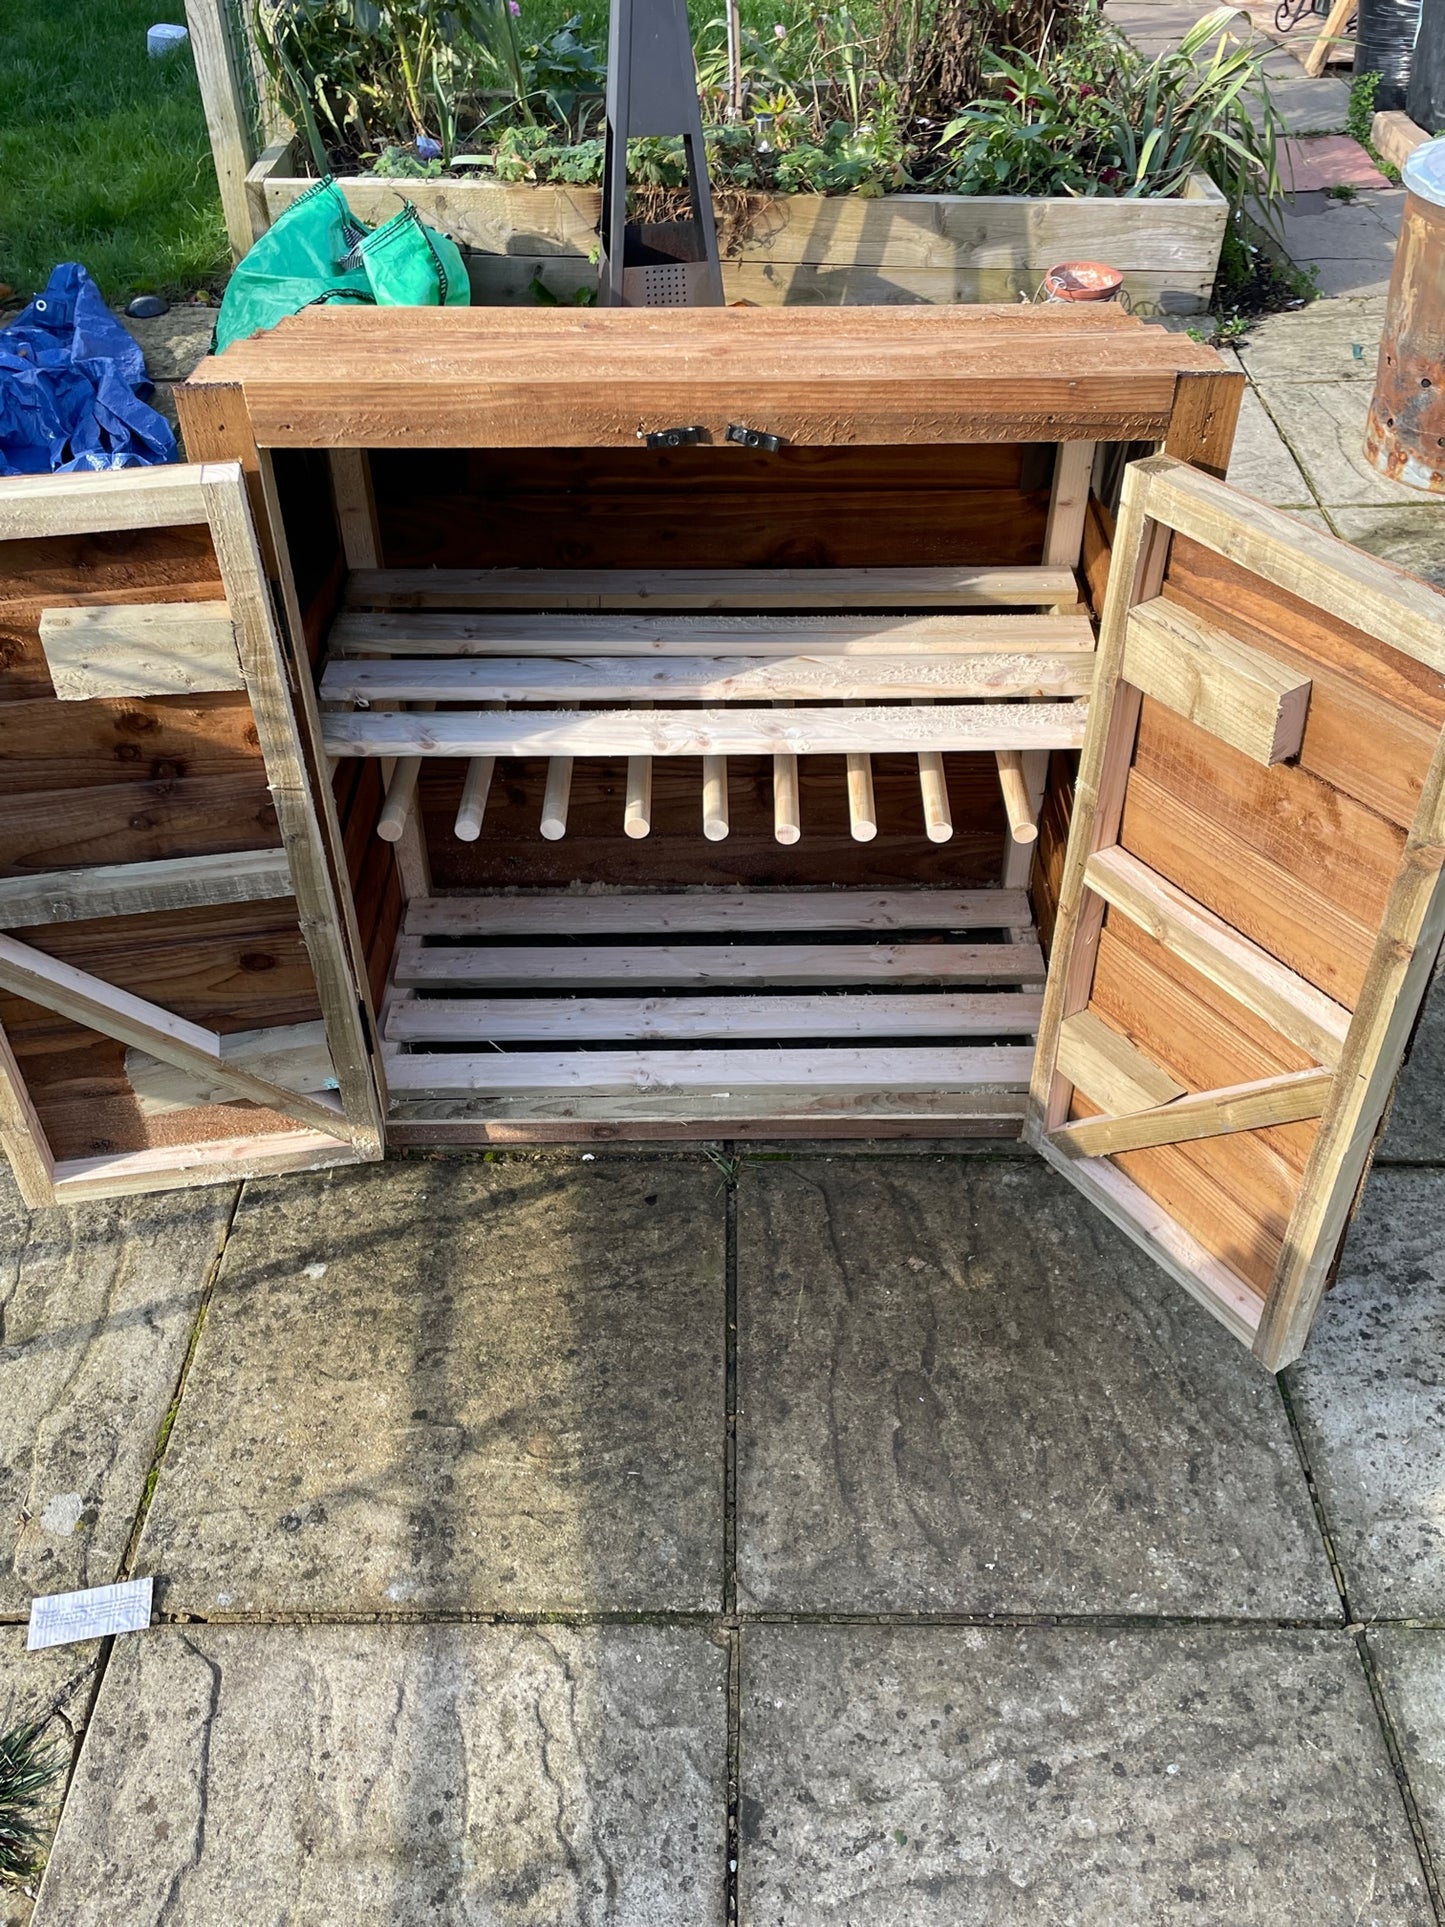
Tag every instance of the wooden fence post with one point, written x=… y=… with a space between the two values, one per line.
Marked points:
x=228 y=121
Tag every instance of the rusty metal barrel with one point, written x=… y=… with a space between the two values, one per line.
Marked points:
x=1405 y=435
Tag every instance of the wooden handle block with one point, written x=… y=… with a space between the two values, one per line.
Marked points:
x=1248 y=699
x=862 y=810
x=475 y=791
x=637 y=814
x=556 y=797
x=1017 y=802
x=714 y=798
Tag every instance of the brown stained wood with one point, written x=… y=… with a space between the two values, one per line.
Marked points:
x=831 y=528
x=1299 y=824
x=1204 y=418
x=136 y=822
x=1243 y=696
x=47 y=746
x=1237 y=1107
x=235 y=967
x=1302 y=928
x=1374 y=712
x=1097 y=545
x=470 y=1123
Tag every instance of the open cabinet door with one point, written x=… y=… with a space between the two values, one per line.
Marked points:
x=177 y=1004
x=1251 y=900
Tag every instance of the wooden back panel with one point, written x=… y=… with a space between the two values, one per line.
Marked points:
x=1253 y=922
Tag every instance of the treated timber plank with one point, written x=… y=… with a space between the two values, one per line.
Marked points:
x=293 y=1056
x=557 y=966
x=648 y=912
x=574 y=1117
x=1288 y=1099
x=706 y=732
x=113 y=499
x=1250 y=700
x=836 y=678
x=978 y=1067
x=1218 y=1288
x=85 y=999
x=459 y=1020
x=133 y=889
x=140 y=649
x=1108 y=1069
x=22 y=1136
x=1385 y=602
x=1261 y=983
x=804 y=590
x=169 y=1167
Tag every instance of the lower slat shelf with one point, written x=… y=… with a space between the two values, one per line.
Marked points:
x=980 y=1068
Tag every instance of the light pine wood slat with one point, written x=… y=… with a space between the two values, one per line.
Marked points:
x=938 y=1068
x=800 y=589
x=647 y=913
x=136 y=889
x=677 y=1018
x=706 y=732
x=140 y=649
x=623 y=965
x=1108 y=1069
x=1289 y=1099
x=1253 y=702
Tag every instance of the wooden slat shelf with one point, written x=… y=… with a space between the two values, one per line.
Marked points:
x=524 y=967
x=706 y=732
x=628 y=633
x=669 y=912
x=806 y=590
x=1002 y=1067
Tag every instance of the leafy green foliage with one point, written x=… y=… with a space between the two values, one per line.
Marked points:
x=1360 y=121
x=29 y=1765
x=1095 y=118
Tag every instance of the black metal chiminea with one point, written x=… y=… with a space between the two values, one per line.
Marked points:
x=652 y=89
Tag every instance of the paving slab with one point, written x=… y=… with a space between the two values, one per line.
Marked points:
x=961 y=1390
x=412 y=1776
x=972 y=1777
x=1331 y=340
x=1369 y=1393
x=1410 y=1663
x=97 y=1306
x=455 y=1387
x=1415 y=1131
x=1412 y=535
x=174 y=342
x=1261 y=464
x=54 y=1686
x=1324 y=424
x=1327 y=160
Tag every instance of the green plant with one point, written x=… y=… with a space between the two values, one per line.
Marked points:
x=29 y=1765
x=1360 y=121
x=1342 y=191
x=1096 y=118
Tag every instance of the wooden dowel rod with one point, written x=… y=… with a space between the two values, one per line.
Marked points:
x=475 y=790
x=391 y=824
x=933 y=786
x=637 y=811
x=556 y=798
x=637 y=817
x=1016 y=799
x=787 y=803
x=714 y=798
x=862 y=810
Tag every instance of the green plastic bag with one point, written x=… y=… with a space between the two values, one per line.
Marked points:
x=318 y=251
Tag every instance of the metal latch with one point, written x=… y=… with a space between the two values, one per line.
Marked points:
x=675 y=437
x=753 y=438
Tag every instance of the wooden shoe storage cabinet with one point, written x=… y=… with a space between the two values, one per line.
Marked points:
x=518 y=727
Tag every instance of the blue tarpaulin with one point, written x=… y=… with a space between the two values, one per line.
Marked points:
x=71 y=386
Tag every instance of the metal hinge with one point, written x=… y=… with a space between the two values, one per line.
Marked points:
x=753 y=437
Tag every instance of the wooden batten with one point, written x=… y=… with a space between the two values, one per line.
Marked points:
x=140 y=649
x=1250 y=700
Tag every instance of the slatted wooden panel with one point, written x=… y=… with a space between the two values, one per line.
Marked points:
x=184 y=785
x=1309 y=887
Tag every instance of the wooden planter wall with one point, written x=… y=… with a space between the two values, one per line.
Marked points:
x=814 y=250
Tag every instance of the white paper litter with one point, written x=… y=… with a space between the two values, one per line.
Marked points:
x=62 y=1617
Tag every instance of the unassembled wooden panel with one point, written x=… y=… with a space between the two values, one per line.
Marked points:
x=162 y=846
x=1264 y=922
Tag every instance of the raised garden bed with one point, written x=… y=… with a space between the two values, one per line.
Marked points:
x=813 y=250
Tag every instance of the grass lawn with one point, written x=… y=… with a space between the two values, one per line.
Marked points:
x=103 y=152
